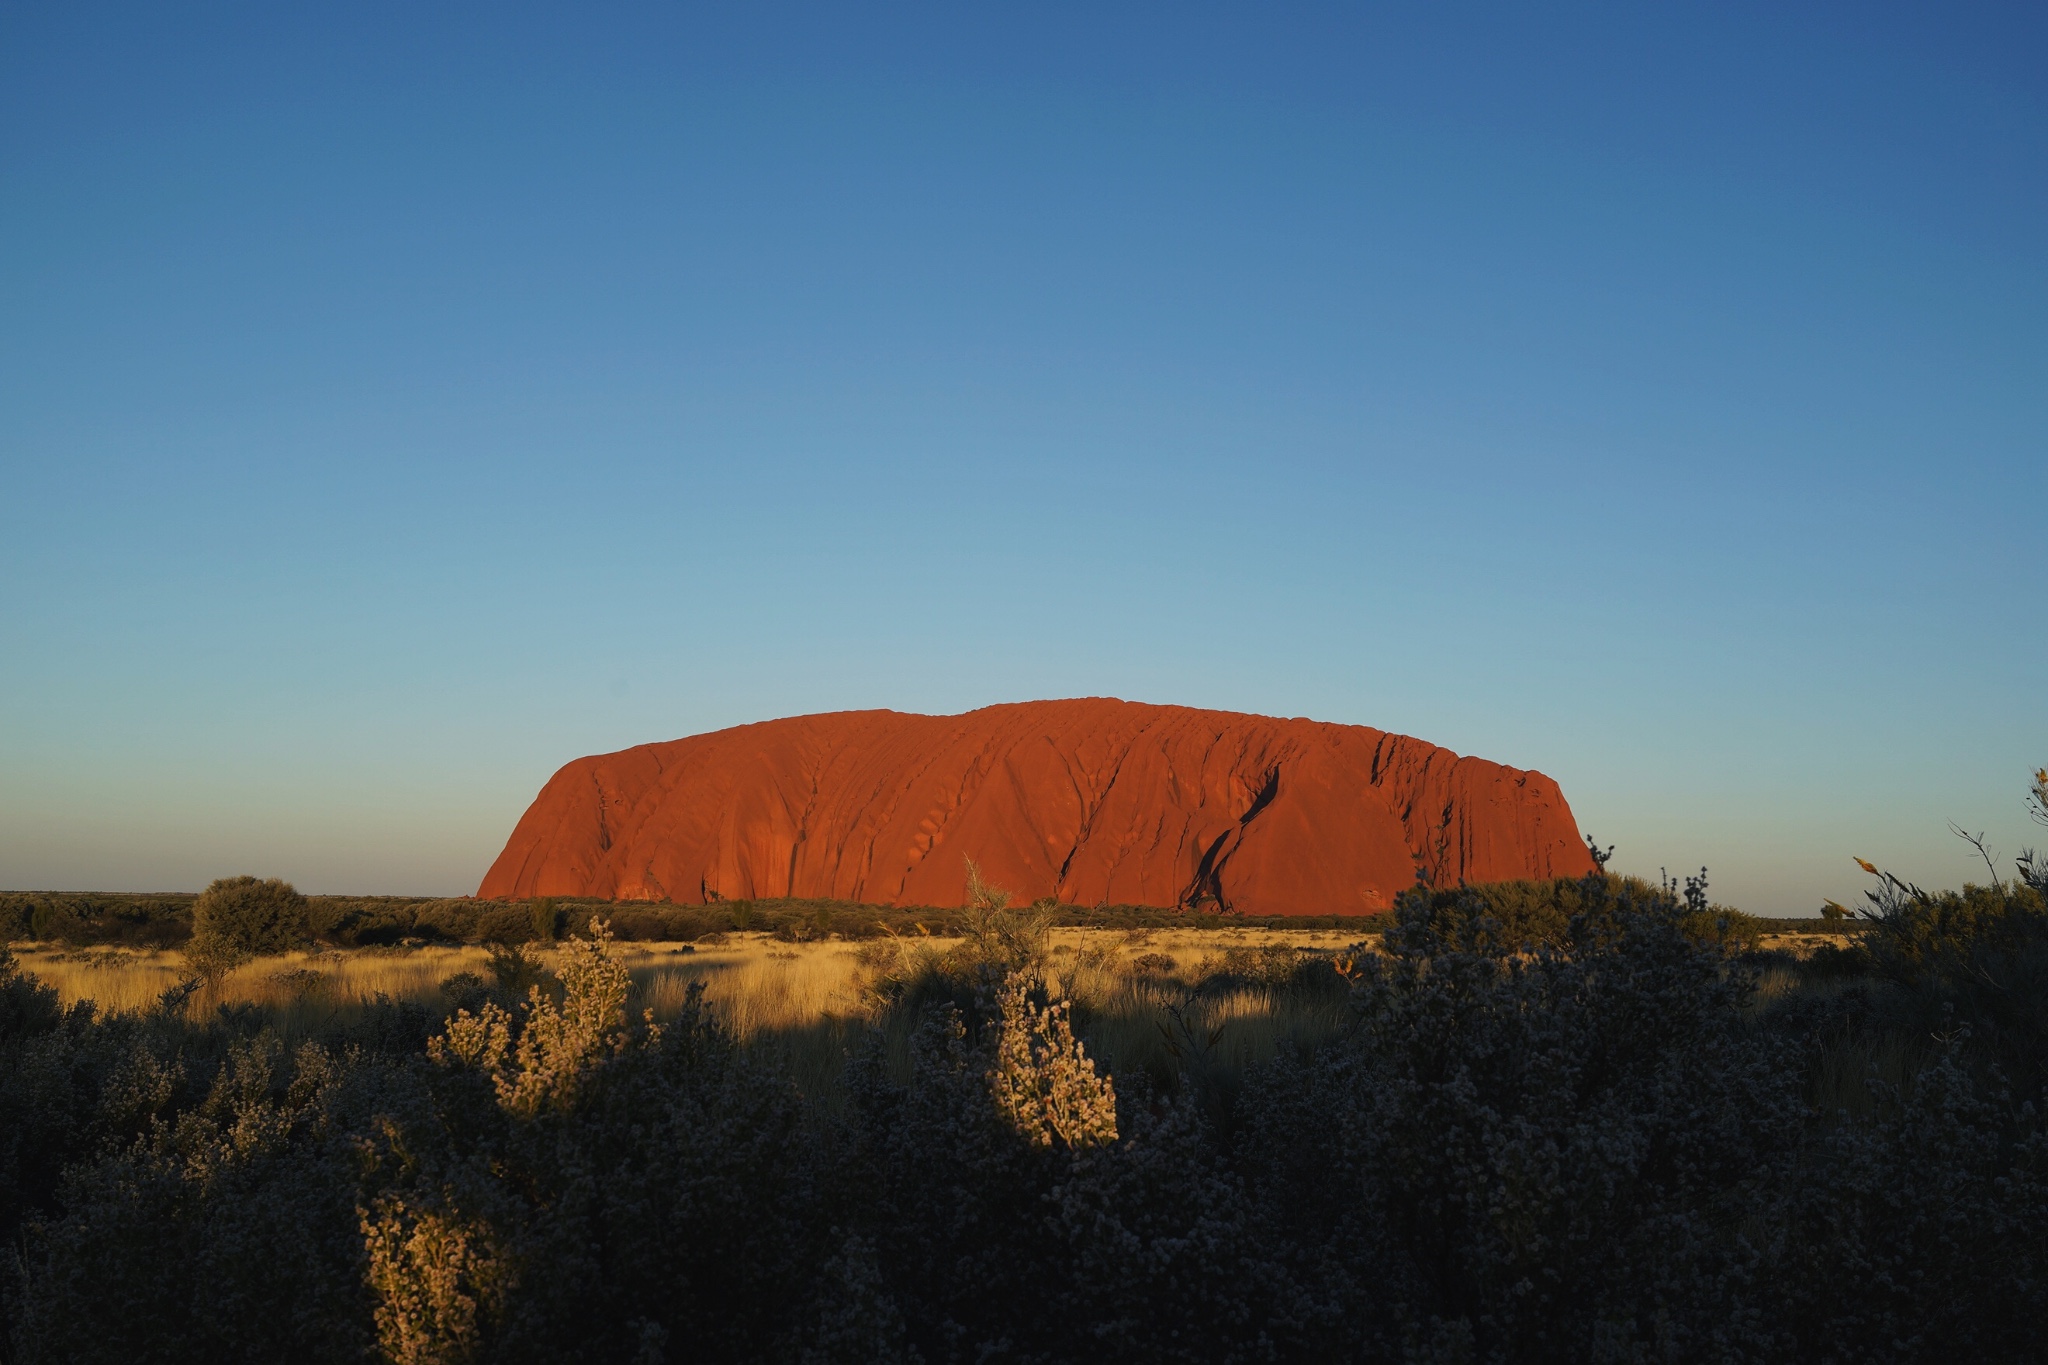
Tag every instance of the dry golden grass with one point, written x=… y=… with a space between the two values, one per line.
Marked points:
x=121 y=980
x=1803 y=946
x=805 y=1004
x=1139 y=1010
x=756 y=984
x=116 y=979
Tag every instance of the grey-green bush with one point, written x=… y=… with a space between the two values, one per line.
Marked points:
x=236 y=918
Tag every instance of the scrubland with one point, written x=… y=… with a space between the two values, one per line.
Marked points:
x=805 y=1006
x=1573 y=1121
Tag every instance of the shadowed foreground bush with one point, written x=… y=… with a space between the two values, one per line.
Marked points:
x=1596 y=1143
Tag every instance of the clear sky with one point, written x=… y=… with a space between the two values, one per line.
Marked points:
x=398 y=401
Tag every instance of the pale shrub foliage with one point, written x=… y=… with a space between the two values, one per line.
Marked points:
x=480 y=1041
x=436 y=1278
x=561 y=1042
x=1042 y=1082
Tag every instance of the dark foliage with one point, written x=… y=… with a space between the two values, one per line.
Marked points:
x=1974 y=959
x=1558 y=1127
x=165 y=920
x=141 y=921
x=1530 y=914
x=240 y=917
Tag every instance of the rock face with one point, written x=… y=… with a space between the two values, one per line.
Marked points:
x=1095 y=801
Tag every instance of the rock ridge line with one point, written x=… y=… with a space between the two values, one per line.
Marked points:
x=1092 y=800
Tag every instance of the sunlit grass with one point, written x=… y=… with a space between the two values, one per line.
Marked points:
x=1146 y=1001
x=123 y=980
x=1143 y=999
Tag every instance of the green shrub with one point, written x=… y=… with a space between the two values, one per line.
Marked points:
x=1522 y=915
x=1723 y=926
x=1529 y=1155
x=43 y=921
x=1837 y=960
x=142 y=920
x=546 y=921
x=1974 y=960
x=236 y=918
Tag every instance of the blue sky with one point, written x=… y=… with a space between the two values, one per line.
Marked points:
x=397 y=402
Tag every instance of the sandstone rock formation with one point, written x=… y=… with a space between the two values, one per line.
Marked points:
x=1095 y=801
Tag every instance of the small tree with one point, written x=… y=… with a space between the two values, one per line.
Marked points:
x=545 y=919
x=236 y=918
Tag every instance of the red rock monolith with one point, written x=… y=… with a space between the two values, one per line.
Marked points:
x=1093 y=800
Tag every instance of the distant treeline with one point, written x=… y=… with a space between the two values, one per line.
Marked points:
x=164 y=919
x=1523 y=911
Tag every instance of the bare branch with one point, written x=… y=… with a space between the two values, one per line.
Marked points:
x=1976 y=841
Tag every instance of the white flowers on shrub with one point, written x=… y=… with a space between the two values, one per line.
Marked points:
x=1042 y=1082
